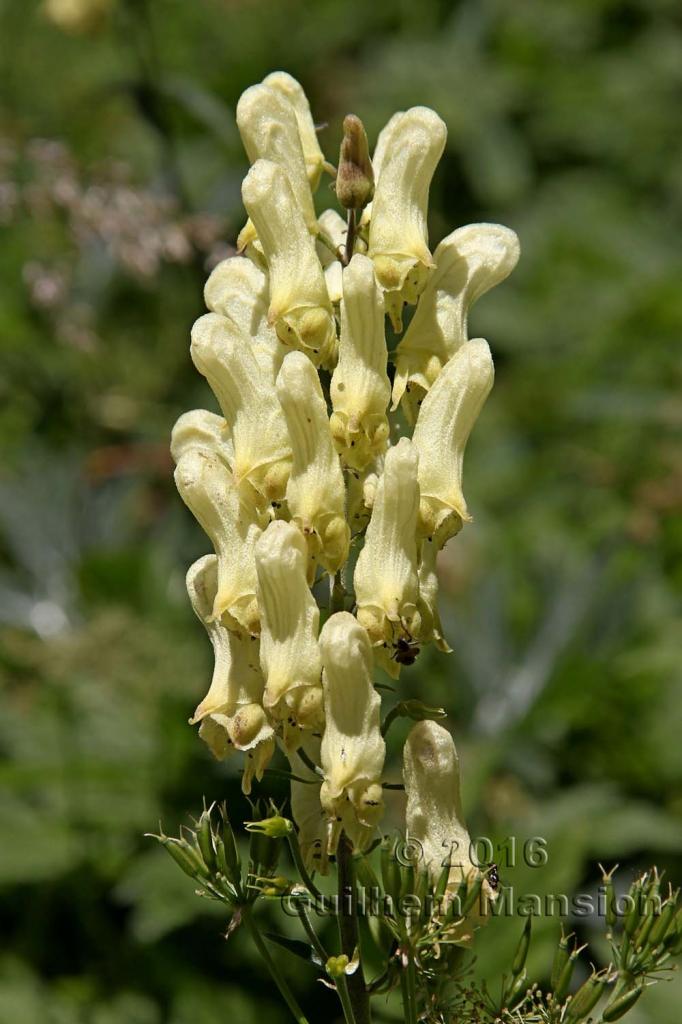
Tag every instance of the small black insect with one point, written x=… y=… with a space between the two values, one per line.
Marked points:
x=494 y=878
x=406 y=651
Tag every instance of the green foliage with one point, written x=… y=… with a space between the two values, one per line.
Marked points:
x=561 y=597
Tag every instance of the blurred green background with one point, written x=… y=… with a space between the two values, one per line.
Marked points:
x=120 y=168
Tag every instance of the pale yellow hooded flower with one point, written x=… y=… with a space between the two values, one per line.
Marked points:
x=269 y=129
x=468 y=263
x=385 y=578
x=445 y=421
x=353 y=750
x=231 y=715
x=315 y=163
x=398 y=234
x=433 y=816
x=238 y=290
x=200 y=428
x=262 y=456
x=300 y=310
x=210 y=493
x=315 y=492
x=360 y=388
x=289 y=655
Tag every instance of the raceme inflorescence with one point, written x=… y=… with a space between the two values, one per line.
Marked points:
x=338 y=352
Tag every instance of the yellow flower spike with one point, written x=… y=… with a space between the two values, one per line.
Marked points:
x=306 y=808
x=300 y=309
x=398 y=235
x=431 y=629
x=434 y=815
x=315 y=492
x=385 y=579
x=262 y=456
x=210 y=493
x=468 y=263
x=269 y=129
x=289 y=654
x=353 y=750
x=283 y=83
x=200 y=428
x=238 y=289
x=237 y=679
x=445 y=421
x=360 y=388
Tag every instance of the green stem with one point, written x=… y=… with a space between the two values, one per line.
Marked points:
x=341 y=984
x=408 y=985
x=308 y=763
x=349 y=933
x=301 y=868
x=312 y=934
x=277 y=976
x=390 y=719
x=345 y=1000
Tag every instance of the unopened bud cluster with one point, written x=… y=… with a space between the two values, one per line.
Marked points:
x=304 y=482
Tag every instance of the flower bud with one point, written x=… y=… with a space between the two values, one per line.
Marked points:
x=352 y=751
x=289 y=654
x=238 y=290
x=276 y=827
x=355 y=178
x=300 y=310
x=360 y=389
x=468 y=263
x=385 y=577
x=262 y=456
x=446 y=419
x=315 y=492
x=208 y=490
x=398 y=236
